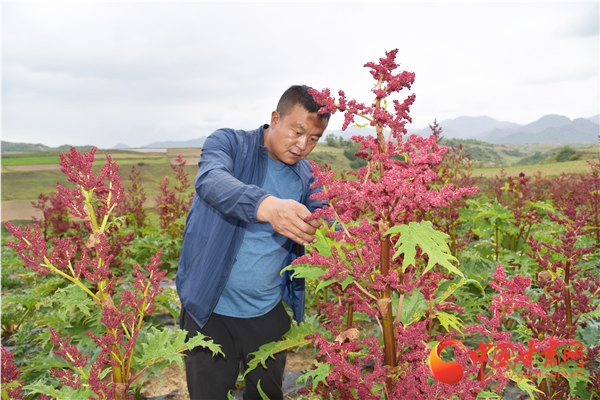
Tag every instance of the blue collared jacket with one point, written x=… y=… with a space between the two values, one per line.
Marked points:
x=228 y=184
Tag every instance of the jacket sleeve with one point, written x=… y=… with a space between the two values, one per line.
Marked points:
x=217 y=184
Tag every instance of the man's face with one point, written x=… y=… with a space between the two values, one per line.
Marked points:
x=291 y=138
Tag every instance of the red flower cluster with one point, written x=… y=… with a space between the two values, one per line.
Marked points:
x=10 y=376
x=399 y=185
x=174 y=203
x=94 y=199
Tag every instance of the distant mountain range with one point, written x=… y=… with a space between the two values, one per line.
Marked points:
x=548 y=129
x=194 y=143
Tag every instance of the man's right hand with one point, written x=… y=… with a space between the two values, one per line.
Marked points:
x=287 y=218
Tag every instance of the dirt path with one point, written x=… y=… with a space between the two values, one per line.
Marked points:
x=33 y=167
x=19 y=209
x=173 y=385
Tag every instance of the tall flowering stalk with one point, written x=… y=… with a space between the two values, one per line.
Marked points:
x=174 y=203
x=135 y=197
x=386 y=254
x=55 y=215
x=455 y=169
x=94 y=199
x=582 y=191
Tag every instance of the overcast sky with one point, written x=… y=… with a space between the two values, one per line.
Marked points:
x=104 y=73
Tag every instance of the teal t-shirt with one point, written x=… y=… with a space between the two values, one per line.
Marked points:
x=254 y=285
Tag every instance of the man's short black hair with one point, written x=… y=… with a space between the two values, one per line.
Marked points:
x=298 y=94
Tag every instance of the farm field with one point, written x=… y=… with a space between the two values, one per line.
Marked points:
x=26 y=175
x=549 y=169
x=22 y=182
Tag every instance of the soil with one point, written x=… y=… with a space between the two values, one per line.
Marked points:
x=33 y=167
x=173 y=384
x=19 y=210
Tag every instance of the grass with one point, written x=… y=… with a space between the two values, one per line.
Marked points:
x=21 y=185
x=44 y=160
x=332 y=156
x=546 y=169
x=27 y=185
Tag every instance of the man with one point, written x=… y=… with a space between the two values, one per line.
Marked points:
x=246 y=223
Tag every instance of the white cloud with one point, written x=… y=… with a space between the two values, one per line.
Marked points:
x=104 y=73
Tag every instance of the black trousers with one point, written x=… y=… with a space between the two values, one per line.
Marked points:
x=211 y=378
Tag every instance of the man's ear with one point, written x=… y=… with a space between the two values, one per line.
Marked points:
x=275 y=118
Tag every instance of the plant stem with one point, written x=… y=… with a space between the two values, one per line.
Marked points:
x=399 y=310
x=349 y=315
x=568 y=293
x=497 y=245
x=389 y=339
x=70 y=278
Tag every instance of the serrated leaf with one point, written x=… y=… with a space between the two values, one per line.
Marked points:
x=305 y=271
x=348 y=280
x=63 y=392
x=526 y=386
x=72 y=299
x=293 y=338
x=449 y=321
x=315 y=272
x=590 y=333
x=316 y=375
x=324 y=242
x=431 y=242
x=577 y=377
x=168 y=344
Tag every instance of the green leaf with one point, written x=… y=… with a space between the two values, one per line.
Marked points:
x=590 y=333
x=526 y=386
x=168 y=344
x=295 y=337
x=316 y=375
x=413 y=306
x=449 y=321
x=487 y=395
x=306 y=271
x=63 y=392
x=431 y=242
x=315 y=272
x=73 y=299
x=263 y=395
x=577 y=377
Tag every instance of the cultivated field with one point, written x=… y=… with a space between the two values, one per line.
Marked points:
x=26 y=175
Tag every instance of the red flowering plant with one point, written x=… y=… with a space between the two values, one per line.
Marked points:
x=133 y=205
x=387 y=264
x=114 y=307
x=568 y=295
x=174 y=203
x=55 y=219
x=455 y=169
x=11 y=384
x=582 y=191
x=505 y=217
